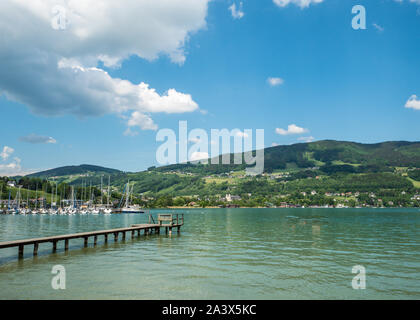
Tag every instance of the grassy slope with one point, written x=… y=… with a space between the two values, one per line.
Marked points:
x=182 y=179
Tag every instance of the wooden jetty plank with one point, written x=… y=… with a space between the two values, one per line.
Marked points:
x=16 y=243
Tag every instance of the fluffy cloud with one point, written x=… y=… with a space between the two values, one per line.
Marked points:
x=141 y=120
x=378 y=27
x=300 y=3
x=413 y=103
x=7 y=151
x=197 y=156
x=237 y=13
x=34 y=138
x=241 y=134
x=413 y=1
x=273 y=81
x=55 y=72
x=306 y=139
x=291 y=129
x=11 y=169
x=194 y=140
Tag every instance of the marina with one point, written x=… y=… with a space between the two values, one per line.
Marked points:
x=82 y=205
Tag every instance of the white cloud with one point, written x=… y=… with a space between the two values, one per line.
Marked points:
x=273 y=81
x=306 y=139
x=130 y=132
x=34 y=139
x=237 y=13
x=55 y=72
x=11 y=169
x=7 y=151
x=196 y=156
x=412 y=1
x=195 y=140
x=378 y=27
x=242 y=134
x=291 y=129
x=300 y=3
x=141 y=120
x=413 y=103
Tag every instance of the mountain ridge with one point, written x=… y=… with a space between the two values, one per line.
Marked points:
x=72 y=170
x=300 y=155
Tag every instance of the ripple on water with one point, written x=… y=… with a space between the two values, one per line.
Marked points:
x=223 y=254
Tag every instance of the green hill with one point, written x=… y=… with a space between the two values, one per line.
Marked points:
x=73 y=170
x=336 y=154
x=317 y=173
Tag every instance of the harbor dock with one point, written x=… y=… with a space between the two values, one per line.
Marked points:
x=166 y=221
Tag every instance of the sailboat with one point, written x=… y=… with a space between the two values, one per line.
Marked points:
x=108 y=210
x=35 y=211
x=128 y=207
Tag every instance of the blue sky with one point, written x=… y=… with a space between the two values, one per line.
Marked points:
x=336 y=82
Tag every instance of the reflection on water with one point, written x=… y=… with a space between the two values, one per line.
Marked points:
x=223 y=254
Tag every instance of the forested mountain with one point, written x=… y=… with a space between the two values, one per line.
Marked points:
x=319 y=173
x=370 y=157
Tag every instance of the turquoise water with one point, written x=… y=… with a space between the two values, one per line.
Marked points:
x=223 y=254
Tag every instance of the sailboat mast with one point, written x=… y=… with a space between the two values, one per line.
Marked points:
x=102 y=197
x=127 y=199
x=19 y=197
x=109 y=183
x=52 y=193
x=36 y=196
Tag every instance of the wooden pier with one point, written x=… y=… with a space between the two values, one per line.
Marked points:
x=167 y=221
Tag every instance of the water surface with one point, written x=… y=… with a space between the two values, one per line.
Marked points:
x=223 y=254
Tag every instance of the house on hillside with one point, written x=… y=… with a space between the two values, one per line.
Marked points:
x=11 y=184
x=230 y=198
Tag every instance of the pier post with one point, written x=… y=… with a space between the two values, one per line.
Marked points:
x=86 y=241
x=123 y=237
x=132 y=233
x=138 y=232
x=158 y=230
x=116 y=236
x=54 y=246
x=20 y=251
x=66 y=245
x=106 y=238
x=35 y=248
x=166 y=230
x=179 y=229
x=95 y=240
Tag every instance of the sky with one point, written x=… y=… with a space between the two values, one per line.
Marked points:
x=93 y=81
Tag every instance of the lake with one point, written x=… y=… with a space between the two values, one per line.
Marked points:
x=222 y=254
